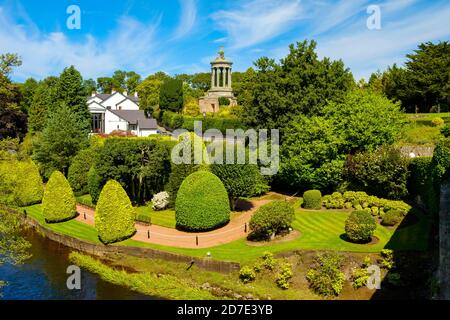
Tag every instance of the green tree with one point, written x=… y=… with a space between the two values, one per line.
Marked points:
x=44 y=101
x=90 y=86
x=201 y=81
x=71 y=92
x=171 y=95
x=148 y=92
x=27 y=89
x=58 y=203
x=79 y=169
x=114 y=214
x=105 y=84
x=132 y=81
x=28 y=187
x=63 y=137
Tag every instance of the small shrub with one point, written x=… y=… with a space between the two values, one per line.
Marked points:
x=202 y=203
x=224 y=101
x=445 y=130
x=58 y=203
x=246 y=274
x=269 y=262
x=284 y=275
x=360 y=226
x=392 y=217
x=312 y=199
x=271 y=218
x=114 y=214
x=374 y=211
x=438 y=122
x=160 y=201
x=359 y=277
x=387 y=260
x=326 y=277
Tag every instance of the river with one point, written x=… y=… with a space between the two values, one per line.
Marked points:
x=43 y=277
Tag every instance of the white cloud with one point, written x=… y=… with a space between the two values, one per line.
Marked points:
x=188 y=17
x=257 y=21
x=130 y=45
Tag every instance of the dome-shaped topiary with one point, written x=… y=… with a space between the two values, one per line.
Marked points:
x=114 y=214
x=272 y=218
x=202 y=203
x=312 y=199
x=29 y=188
x=360 y=226
x=59 y=202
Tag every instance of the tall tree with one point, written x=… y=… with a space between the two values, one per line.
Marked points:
x=63 y=137
x=132 y=81
x=89 y=86
x=105 y=84
x=44 y=101
x=27 y=89
x=71 y=92
x=171 y=95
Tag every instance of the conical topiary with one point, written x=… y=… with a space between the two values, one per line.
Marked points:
x=29 y=188
x=114 y=214
x=59 y=202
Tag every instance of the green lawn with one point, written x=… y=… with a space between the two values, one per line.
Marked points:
x=320 y=230
x=164 y=218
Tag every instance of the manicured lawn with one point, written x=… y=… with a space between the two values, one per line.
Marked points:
x=164 y=218
x=320 y=230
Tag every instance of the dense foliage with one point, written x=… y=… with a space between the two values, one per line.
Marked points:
x=59 y=202
x=392 y=217
x=423 y=184
x=79 y=169
x=94 y=184
x=114 y=214
x=271 y=218
x=171 y=95
x=312 y=199
x=360 y=226
x=326 y=277
x=28 y=187
x=202 y=203
x=383 y=172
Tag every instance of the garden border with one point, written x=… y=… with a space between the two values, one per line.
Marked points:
x=148 y=253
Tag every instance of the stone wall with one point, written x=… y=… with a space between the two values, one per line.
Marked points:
x=148 y=253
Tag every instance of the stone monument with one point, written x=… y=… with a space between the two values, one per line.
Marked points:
x=220 y=84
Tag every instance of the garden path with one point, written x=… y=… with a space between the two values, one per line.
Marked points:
x=237 y=228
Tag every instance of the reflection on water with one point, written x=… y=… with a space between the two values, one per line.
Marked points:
x=44 y=277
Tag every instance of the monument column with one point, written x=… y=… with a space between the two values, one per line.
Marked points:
x=212 y=77
x=229 y=77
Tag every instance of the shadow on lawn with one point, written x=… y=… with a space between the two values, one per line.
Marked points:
x=412 y=273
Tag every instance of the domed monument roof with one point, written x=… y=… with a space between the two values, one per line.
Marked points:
x=221 y=57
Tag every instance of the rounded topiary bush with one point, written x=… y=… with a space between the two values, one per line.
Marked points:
x=392 y=217
x=312 y=199
x=114 y=214
x=58 y=203
x=28 y=188
x=202 y=203
x=360 y=226
x=271 y=218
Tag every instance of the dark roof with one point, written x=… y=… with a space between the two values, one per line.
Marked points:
x=104 y=96
x=136 y=117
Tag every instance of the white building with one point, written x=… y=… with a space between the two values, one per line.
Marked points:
x=119 y=111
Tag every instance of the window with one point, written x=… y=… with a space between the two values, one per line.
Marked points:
x=132 y=127
x=97 y=125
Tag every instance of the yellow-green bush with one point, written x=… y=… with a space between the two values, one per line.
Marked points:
x=114 y=214
x=312 y=199
x=28 y=188
x=202 y=202
x=59 y=202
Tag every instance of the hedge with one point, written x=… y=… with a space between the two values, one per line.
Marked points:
x=178 y=121
x=312 y=199
x=202 y=203
x=423 y=183
x=360 y=226
x=28 y=187
x=392 y=217
x=58 y=203
x=272 y=218
x=78 y=171
x=94 y=184
x=114 y=214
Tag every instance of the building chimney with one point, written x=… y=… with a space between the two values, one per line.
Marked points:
x=125 y=93
x=93 y=94
x=113 y=91
x=135 y=94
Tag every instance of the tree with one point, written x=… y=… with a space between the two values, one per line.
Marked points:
x=27 y=89
x=58 y=203
x=13 y=247
x=63 y=137
x=71 y=92
x=272 y=218
x=299 y=84
x=79 y=169
x=28 y=187
x=118 y=80
x=8 y=61
x=171 y=95
x=90 y=86
x=132 y=81
x=114 y=214
x=105 y=84
x=43 y=103
x=201 y=81
x=360 y=226
x=148 y=92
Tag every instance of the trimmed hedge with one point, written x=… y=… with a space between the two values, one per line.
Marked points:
x=272 y=218
x=28 y=188
x=94 y=184
x=114 y=214
x=360 y=226
x=312 y=199
x=202 y=203
x=392 y=217
x=78 y=171
x=58 y=203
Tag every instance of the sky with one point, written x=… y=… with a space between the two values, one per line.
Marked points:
x=183 y=36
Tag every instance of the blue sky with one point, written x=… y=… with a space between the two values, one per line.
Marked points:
x=182 y=36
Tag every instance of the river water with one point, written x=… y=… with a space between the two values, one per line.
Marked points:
x=43 y=277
